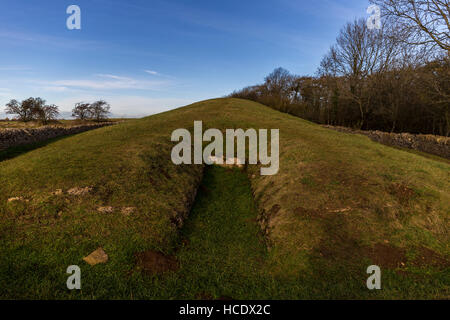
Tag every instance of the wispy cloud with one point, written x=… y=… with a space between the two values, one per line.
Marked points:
x=22 y=38
x=152 y=72
x=104 y=82
x=156 y=73
x=112 y=76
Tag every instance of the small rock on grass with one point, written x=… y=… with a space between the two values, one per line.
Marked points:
x=96 y=257
x=128 y=210
x=107 y=209
x=79 y=191
x=16 y=199
x=57 y=192
x=221 y=161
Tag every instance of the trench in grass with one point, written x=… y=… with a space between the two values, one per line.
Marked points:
x=222 y=249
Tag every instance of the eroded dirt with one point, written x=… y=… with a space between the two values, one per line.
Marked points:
x=402 y=192
x=153 y=262
x=387 y=256
x=428 y=257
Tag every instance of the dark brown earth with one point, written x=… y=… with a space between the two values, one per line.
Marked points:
x=402 y=192
x=427 y=257
x=154 y=262
x=387 y=256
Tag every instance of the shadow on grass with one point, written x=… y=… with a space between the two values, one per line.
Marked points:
x=16 y=151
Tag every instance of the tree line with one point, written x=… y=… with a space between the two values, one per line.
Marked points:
x=36 y=109
x=396 y=78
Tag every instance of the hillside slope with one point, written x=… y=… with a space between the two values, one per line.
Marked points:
x=339 y=203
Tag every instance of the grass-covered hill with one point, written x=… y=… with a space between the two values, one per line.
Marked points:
x=338 y=204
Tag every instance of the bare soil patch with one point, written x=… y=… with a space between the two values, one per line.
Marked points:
x=428 y=257
x=154 y=262
x=402 y=192
x=387 y=256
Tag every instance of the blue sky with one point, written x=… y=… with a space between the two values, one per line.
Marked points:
x=147 y=56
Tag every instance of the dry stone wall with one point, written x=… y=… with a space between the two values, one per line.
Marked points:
x=14 y=137
x=428 y=143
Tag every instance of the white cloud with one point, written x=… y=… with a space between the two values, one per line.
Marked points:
x=156 y=73
x=107 y=82
x=112 y=76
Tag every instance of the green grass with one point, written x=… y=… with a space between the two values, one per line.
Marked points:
x=13 y=152
x=335 y=197
x=223 y=252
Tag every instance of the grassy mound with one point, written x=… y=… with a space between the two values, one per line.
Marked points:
x=62 y=190
x=339 y=203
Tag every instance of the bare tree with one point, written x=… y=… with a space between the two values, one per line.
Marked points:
x=371 y=79
x=421 y=22
x=99 y=110
x=81 y=111
x=14 y=107
x=47 y=113
x=357 y=54
x=27 y=110
x=278 y=86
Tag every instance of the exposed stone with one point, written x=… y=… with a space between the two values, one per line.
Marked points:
x=226 y=162
x=57 y=192
x=128 y=210
x=16 y=199
x=96 y=257
x=79 y=191
x=107 y=209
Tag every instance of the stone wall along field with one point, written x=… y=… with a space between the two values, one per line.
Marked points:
x=15 y=137
x=437 y=145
